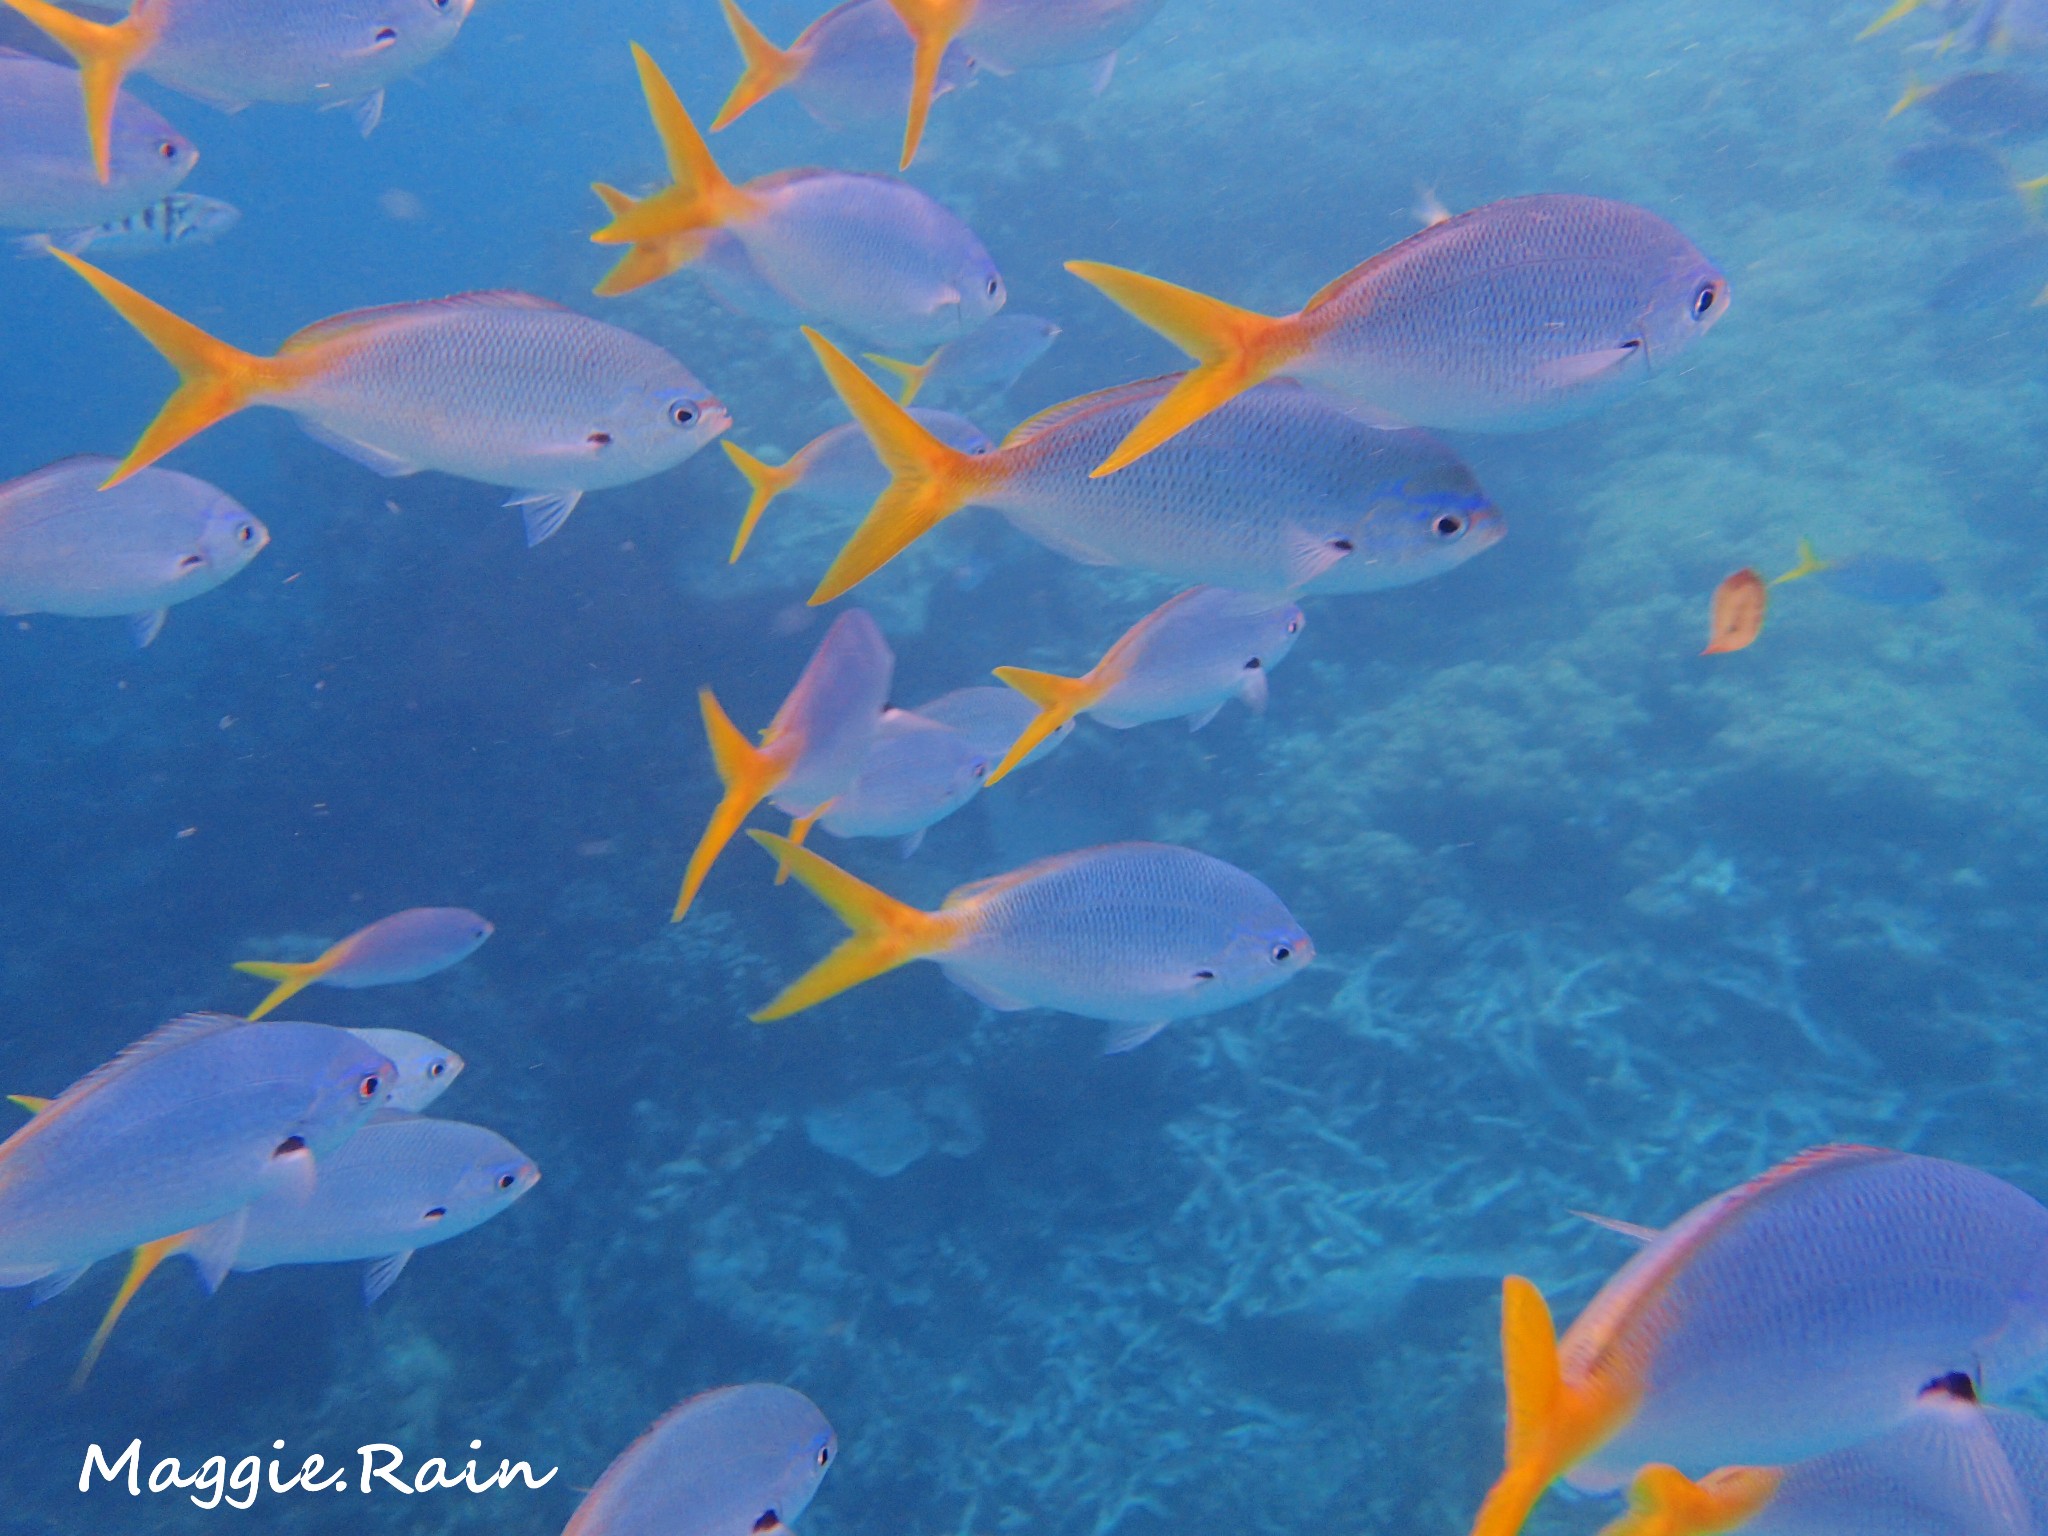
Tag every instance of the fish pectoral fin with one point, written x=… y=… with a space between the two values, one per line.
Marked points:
x=544 y=512
x=56 y=1283
x=1102 y=74
x=1202 y=717
x=982 y=992
x=1310 y=556
x=143 y=628
x=1128 y=1037
x=213 y=1248
x=378 y=1278
x=1627 y=1229
x=1585 y=367
x=367 y=112
x=911 y=844
x=368 y=455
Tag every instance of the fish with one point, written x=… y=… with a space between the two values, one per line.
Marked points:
x=991 y=718
x=180 y=1132
x=812 y=750
x=1986 y=24
x=1136 y=934
x=1884 y=581
x=990 y=359
x=734 y=1461
x=47 y=177
x=1506 y=317
x=1792 y=1316
x=2011 y=272
x=1009 y=35
x=1953 y=171
x=1738 y=613
x=229 y=53
x=1275 y=493
x=135 y=551
x=170 y=223
x=838 y=467
x=1982 y=104
x=1184 y=659
x=848 y=68
x=406 y=946
x=426 y=1068
x=870 y=254
x=916 y=774
x=500 y=387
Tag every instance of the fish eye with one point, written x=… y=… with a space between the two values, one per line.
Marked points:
x=1205 y=975
x=288 y=1146
x=191 y=562
x=682 y=413
x=1253 y=665
x=436 y=1068
x=1704 y=301
x=768 y=1521
x=507 y=1180
x=385 y=36
x=995 y=286
x=599 y=439
x=824 y=1457
x=369 y=1086
x=981 y=770
x=1342 y=546
x=244 y=533
x=436 y=1213
x=167 y=148
x=1294 y=626
x=1449 y=526
x=1282 y=953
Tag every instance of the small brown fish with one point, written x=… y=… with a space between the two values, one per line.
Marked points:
x=1738 y=615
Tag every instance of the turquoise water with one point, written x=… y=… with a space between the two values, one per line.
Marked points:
x=1601 y=924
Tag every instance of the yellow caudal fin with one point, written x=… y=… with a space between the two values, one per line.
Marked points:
x=749 y=775
x=1809 y=564
x=1899 y=11
x=1913 y=95
x=886 y=932
x=912 y=375
x=106 y=52
x=1233 y=350
x=216 y=380
x=1058 y=698
x=928 y=481
x=1528 y=1349
x=291 y=979
x=141 y=1266
x=799 y=834
x=933 y=25
x=2030 y=192
x=765 y=482
x=767 y=68
x=1663 y=1501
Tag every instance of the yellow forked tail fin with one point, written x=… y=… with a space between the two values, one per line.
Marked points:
x=1899 y=11
x=1663 y=1501
x=766 y=482
x=1809 y=564
x=106 y=52
x=1233 y=350
x=291 y=979
x=928 y=481
x=749 y=774
x=216 y=380
x=886 y=932
x=1535 y=1389
x=1058 y=698
x=913 y=375
x=933 y=26
x=767 y=68
x=1913 y=95
x=141 y=1266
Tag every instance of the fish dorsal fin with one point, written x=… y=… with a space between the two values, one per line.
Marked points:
x=1344 y=280
x=349 y=321
x=1066 y=410
x=976 y=890
x=168 y=1037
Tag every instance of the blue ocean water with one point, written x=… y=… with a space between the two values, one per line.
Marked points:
x=1602 y=925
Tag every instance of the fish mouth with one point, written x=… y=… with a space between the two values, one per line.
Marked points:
x=717 y=419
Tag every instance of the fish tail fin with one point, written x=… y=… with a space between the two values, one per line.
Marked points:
x=668 y=229
x=650 y=260
x=106 y=52
x=767 y=68
x=1912 y=96
x=141 y=1266
x=928 y=481
x=799 y=834
x=291 y=979
x=749 y=775
x=2030 y=191
x=216 y=380
x=1535 y=1385
x=886 y=932
x=765 y=482
x=1233 y=350
x=911 y=375
x=1058 y=698
x=1809 y=564
x=933 y=25
x=1897 y=12
x=1663 y=1501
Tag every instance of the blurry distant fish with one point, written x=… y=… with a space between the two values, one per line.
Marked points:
x=426 y=1068
x=990 y=359
x=168 y=224
x=917 y=773
x=1008 y=35
x=736 y=1461
x=47 y=179
x=992 y=718
x=813 y=748
x=837 y=467
x=869 y=253
x=1513 y=315
x=1429 y=210
x=1275 y=493
x=1884 y=581
x=2009 y=273
x=1985 y=24
x=503 y=388
x=231 y=53
x=1185 y=659
x=1139 y=934
x=405 y=946
x=1796 y=1315
x=152 y=541
x=1737 y=617
x=850 y=66
x=1953 y=171
x=1983 y=104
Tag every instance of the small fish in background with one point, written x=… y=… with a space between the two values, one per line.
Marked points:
x=1883 y=581
x=1737 y=615
x=848 y=68
x=1491 y=321
x=1793 y=1316
x=734 y=1461
x=1982 y=104
x=2009 y=274
x=1986 y=25
x=838 y=467
x=987 y=361
x=1137 y=934
x=133 y=552
x=502 y=388
x=229 y=53
x=916 y=774
x=171 y=223
x=47 y=179
x=869 y=253
x=992 y=718
x=1276 y=492
x=812 y=750
x=1184 y=660
x=1955 y=171
x=426 y=1068
x=406 y=946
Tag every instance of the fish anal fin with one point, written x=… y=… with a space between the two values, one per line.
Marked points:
x=544 y=512
x=1128 y=1037
x=371 y=457
x=1663 y=1501
x=380 y=1276
x=143 y=628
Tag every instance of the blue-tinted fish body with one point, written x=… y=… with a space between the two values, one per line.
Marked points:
x=47 y=180
x=1952 y=171
x=1988 y=104
x=849 y=68
x=1010 y=35
x=988 y=360
x=1190 y=655
x=2007 y=274
x=917 y=773
x=991 y=718
x=168 y=224
x=426 y=1068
